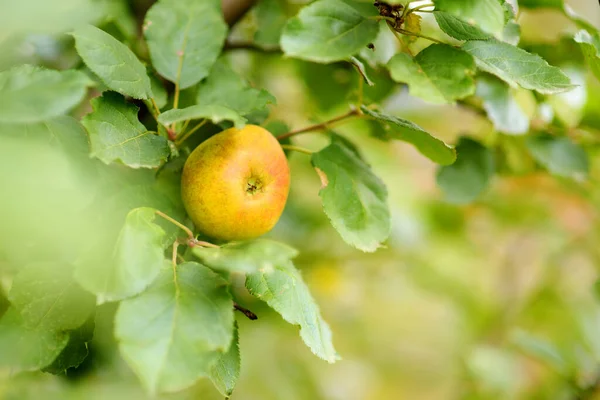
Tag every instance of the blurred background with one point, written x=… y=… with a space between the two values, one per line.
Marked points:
x=492 y=300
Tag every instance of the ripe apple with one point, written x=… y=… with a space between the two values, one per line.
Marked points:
x=235 y=184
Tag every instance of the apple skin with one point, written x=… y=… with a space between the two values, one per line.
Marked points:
x=235 y=184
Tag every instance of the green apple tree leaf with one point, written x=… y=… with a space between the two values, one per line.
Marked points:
x=541 y=3
x=48 y=297
x=464 y=180
x=401 y=129
x=516 y=66
x=327 y=31
x=224 y=87
x=559 y=155
x=486 y=14
x=76 y=349
x=247 y=256
x=32 y=94
x=439 y=73
x=116 y=134
x=283 y=289
x=173 y=334
x=501 y=106
x=226 y=371
x=270 y=20
x=135 y=262
x=459 y=29
x=590 y=46
x=113 y=62
x=26 y=349
x=185 y=38
x=215 y=113
x=354 y=199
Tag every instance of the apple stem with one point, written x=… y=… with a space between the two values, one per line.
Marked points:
x=296 y=148
x=323 y=125
x=174 y=256
x=176 y=223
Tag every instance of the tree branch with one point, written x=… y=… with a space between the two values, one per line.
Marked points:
x=234 y=10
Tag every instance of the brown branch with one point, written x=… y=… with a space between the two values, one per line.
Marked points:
x=251 y=46
x=234 y=10
x=245 y=311
x=322 y=125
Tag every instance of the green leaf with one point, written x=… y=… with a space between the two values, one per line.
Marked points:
x=270 y=20
x=160 y=93
x=175 y=332
x=459 y=29
x=246 y=256
x=361 y=70
x=560 y=155
x=135 y=263
x=116 y=134
x=464 y=180
x=48 y=297
x=283 y=289
x=33 y=94
x=590 y=47
x=401 y=129
x=76 y=349
x=517 y=67
x=25 y=349
x=439 y=73
x=540 y=349
x=487 y=14
x=185 y=38
x=501 y=106
x=354 y=199
x=541 y=4
x=113 y=62
x=215 y=113
x=327 y=31
x=225 y=373
x=223 y=87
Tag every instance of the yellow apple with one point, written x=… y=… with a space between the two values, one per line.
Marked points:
x=235 y=184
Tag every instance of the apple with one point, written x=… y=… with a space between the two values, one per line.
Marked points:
x=235 y=185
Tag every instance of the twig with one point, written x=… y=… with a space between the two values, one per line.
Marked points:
x=296 y=148
x=189 y=133
x=322 y=125
x=245 y=311
x=251 y=46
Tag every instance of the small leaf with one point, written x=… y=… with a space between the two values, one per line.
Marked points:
x=76 y=349
x=225 y=373
x=116 y=134
x=113 y=62
x=517 y=67
x=459 y=29
x=283 y=289
x=540 y=349
x=33 y=94
x=247 y=256
x=174 y=333
x=501 y=106
x=439 y=73
x=541 y=3
x=327 y=31
x=487 y=14
x=464 y=180
x=401 y=129
x=135 y=263
x=159 y=91
x=215 y=113
x=185 y=38
x=560 y=155
x=590 y=47
x=354 y=199
x=270 y=20
x=361 y=70
x=412 y=23
x=48 y=297
x=25 y=349
x=224 y=87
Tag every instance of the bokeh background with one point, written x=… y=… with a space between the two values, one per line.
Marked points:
x=491 y=300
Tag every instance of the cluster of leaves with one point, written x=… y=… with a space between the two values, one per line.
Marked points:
x=175 y=322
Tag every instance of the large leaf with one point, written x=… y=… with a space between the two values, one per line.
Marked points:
x=26 y=349
x=176 y=331
x=439 y=73
x=247 y=256
x=487 y=14
x=113 y=62
x=464 y=180
x=354 y=199
x=76 y=349
x=560 y=155
x=215 y=113
x=501 y=106
x=225 y=88
x=459 y=29
x=401 y=129
x=32 y=94
x=48 y=297
x=270 y=20
x=116 y=134
x=226 y=371
x=327 y=31
x=135 y=263
x=590 y=46
x=283 y=289
x=517 y=67
x=185 y=38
